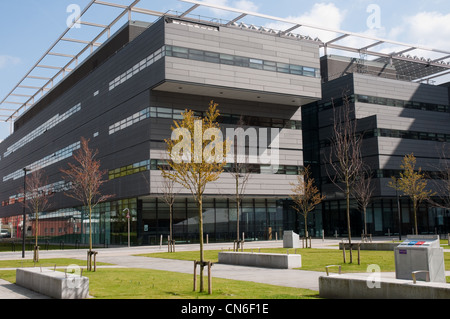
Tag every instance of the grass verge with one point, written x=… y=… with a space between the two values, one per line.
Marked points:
x=130 y=283
x=312 y=259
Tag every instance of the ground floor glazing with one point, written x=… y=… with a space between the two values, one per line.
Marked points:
x=259 y=219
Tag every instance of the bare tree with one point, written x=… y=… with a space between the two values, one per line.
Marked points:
x=306 y=196
x=345 y=160
x=363 y=191
x=168 y=196
x=37 y=197
x=442 y=183
x=86 y=179
x=241 y=173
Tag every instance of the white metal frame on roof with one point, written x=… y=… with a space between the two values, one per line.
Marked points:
x=332 y=44
x=438 y=65
x=10 y=114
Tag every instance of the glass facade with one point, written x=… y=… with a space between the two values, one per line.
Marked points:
x=71 y=226
x=383 y=218
x=259 y=219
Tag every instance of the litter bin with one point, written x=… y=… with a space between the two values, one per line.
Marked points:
x=420 y=253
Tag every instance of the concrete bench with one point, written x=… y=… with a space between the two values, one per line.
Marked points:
x=55 y=284
x=370 y=246
x=350 y=286
x=265 y=260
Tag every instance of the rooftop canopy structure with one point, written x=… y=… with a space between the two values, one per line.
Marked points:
x=45 y=75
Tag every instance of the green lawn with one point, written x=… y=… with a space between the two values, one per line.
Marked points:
x=313 y=259
x=154 y=284
x=123 y=283
x=128 y=283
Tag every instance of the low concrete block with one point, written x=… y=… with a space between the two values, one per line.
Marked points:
x=371 y=246
x=280 y=261
x=54 y=284
x=359 y=287
x=290 y=239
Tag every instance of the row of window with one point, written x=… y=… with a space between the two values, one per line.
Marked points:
x=414 y=135
x=42 y=129
x=321 y=106
x=46 y=161
x=411 y=135
x=57 y=187
x=213 y=57
x=228 y=59
x=388 y=173
x=402 y=103
x=138 y=67
x=230 y=119
x=155 y=165
x=133 y=119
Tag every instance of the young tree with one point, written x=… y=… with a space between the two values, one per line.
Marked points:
x=412 y=183
x=442 y=183
x=345 y=158
x=363 y=191
x=197 y=157
x=86 y=179
x=240 y=171
x=306 y=196
x=168 y=196
x=37 y=197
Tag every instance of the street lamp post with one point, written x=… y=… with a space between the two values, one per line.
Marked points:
x=24 y=217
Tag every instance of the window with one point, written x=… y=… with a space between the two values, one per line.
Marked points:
x=311 y=72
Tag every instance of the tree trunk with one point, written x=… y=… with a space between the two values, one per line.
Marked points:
x=365 y=221
x=200 y=225
x=306 y=229
x=36 y=249
x=347 y=194
x=90 y=239
x=237 y=220
x=415 y=216
x=171 y=222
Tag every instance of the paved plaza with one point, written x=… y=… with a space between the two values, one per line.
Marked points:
x=124 y=257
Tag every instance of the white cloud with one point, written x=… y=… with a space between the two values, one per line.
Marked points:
x=326 y=15
x=6 y=60
x=246 y=5
x=430 y=29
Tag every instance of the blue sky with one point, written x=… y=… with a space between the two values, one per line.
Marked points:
x=30 y=27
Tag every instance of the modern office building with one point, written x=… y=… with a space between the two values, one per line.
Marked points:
x=396 y=116
x=125 y=96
